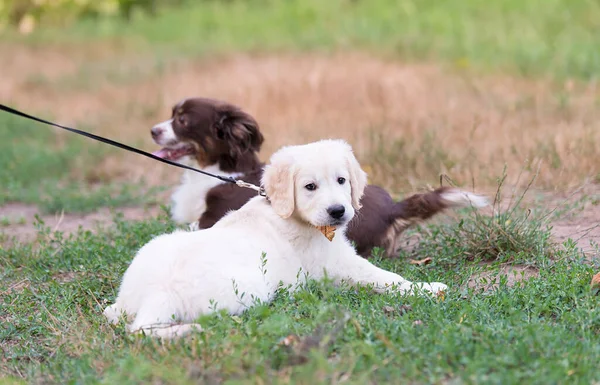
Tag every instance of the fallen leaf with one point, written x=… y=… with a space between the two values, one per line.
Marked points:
x=441 y=295
x=421 y=262
x=328 y=231
x=595 y=285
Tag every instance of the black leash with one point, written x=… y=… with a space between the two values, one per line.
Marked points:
x=111 y=142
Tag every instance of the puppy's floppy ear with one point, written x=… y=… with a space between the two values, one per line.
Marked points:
x=358 y=178
x=278 y=181
x=239 y=129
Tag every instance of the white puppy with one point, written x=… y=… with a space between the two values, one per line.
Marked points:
x=251 y=252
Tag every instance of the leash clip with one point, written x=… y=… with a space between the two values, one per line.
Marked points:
x=263 y=193
x=260 y=190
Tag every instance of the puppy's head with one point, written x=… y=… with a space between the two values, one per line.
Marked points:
x=321 y=182
x=204 y=130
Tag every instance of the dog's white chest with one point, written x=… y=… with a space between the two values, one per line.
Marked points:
x=189 y=199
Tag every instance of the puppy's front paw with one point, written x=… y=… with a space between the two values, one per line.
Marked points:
x=194 y=226
x=436 y=287
x=422 y=288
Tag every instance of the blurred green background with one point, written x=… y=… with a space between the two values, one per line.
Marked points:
x=554 y=38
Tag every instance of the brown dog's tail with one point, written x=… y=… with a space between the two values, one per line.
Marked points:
x=420 y=207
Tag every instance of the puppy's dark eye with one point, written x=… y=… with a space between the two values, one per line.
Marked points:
x=341 y=180
x=311 y=187
x=181 y=120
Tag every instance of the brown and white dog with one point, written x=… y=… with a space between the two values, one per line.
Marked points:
x=220 y=138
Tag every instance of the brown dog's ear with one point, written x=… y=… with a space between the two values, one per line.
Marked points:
x=278 y=182
x=239 y=129
x=358 y=179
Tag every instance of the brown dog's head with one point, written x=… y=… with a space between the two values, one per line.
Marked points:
x=206 y=132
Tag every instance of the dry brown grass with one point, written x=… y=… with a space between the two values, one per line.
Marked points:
x=408 y=123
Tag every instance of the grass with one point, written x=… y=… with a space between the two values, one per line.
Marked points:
x=534 y=38
x=47 y=169
x=544 y=329
x=513 y=233
x=498 y=323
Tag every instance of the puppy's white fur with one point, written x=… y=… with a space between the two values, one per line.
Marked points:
x=179 y=276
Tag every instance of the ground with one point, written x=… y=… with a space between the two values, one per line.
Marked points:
x=498 y=104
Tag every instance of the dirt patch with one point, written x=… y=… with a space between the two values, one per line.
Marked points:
x=490 y=279
x=584 y=230
x=586 y=233
x=20 y=219
x=574 y=216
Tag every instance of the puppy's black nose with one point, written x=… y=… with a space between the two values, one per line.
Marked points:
x=156 y=132
x=336 y=211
